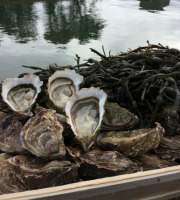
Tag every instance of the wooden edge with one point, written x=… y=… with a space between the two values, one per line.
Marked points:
x=97 y=182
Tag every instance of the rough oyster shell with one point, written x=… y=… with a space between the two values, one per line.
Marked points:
x=42 y=135
x=117 y=118
x=61 y=86
x=85 y=111
x=99 y=164
x=10 y=128
x=134 y=142
x=37 y=173
x=20 y=93
x=9 y=182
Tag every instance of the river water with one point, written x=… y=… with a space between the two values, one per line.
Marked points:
x=40 y=33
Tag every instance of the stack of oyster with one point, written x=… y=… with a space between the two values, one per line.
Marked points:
x=76 y=135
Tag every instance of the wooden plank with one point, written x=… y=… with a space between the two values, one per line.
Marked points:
x=132 y=186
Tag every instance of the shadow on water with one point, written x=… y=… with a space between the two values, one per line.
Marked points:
x=64 y=20
x=153 y=5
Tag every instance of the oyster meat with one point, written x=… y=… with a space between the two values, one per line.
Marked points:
x=20 y=93
x=132 y=143
x=37 y=173
x=117 y=118
x=61 y=86
x=42 y=135
x=100 y=164
x=9 y=182
x=85 y=111
x=10 y=128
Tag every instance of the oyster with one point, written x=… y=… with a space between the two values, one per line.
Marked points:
x=169 y=148
x=117 y=118
x=37 y=173
x=150 y=162
x=99 y=164
x=42 y=135
x=9 y=182
x=132 y=143
x=20 y=93
x=85 y=111
x=10 y=128
x=61 y=86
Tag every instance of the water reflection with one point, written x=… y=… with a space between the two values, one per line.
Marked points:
x=72 y=19
x=63 y=21
x=154 y=4
x=18 y=21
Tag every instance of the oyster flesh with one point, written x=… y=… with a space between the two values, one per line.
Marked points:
x=42 y=135
x=37 y=173
x=117 y=118
x=20 y=93
x=10 y=128
x=100 y=164
x=132 y=143
x=85 y=111
x=61 y=86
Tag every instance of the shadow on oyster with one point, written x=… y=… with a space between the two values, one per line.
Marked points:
x=132 y=143
x=42 y=135
x=85 y=111
x=21 y=93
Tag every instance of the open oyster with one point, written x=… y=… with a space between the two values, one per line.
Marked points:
x=20 y=93
x=132 y=143
x=42 y=135
x=9 y=182
x=117 y=118
x=37 y=173
x=10 y=128
x=99 y=164
x=61 y=86
x=85 y=111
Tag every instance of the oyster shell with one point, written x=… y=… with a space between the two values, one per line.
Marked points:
x=42 y=135
x=10 y=128
x=85 y=111
x=37 y=173
x=132 y=143
x=20 y=93
x=117 y=118
x=9 y=182
x=100 y=164
x=61 y=86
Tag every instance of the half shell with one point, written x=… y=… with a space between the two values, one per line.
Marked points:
x=85 y=111
x=21 y=93
x=62 y=85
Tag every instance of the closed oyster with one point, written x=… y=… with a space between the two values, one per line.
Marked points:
x=9 y=182
x=100 y=164
x=85 y=111
x=20 y=93
x=10 y=128
x=42 y=135
x=117 y=118
x=61 y=86
x=169 y=148
x=37 y=173
x=134 y=142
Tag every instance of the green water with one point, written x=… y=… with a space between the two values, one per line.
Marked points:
x=39 y=33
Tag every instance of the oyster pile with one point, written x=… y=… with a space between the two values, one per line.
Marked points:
x=75 y=135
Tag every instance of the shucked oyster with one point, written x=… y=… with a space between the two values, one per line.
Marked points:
x=20 y=93
x=117 y=118
x=9 y=182
x=85 y=111
x=37 y=173
x=10 y=128
x=61 y=86
x=42 y=135
x=132 y=143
